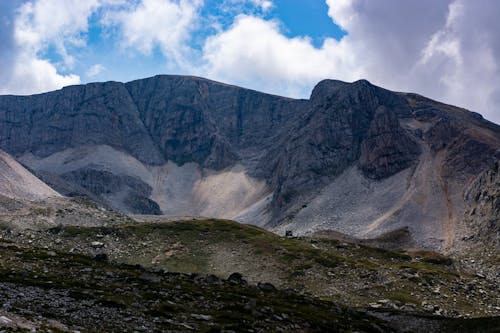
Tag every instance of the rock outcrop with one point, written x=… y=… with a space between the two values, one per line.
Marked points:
x=478 y=234
x=387 y=148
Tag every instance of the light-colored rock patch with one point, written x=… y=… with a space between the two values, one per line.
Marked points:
x=17 y=182
x=178 y=190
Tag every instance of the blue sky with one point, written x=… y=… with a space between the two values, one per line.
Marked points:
x=447 y=50
x=297 y=18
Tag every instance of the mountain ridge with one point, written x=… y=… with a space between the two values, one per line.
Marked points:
x=278 y=153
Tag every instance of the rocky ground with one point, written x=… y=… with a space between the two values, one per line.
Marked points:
x=478 y=238
x=22 y=214
x=49 y=291
x=345 y=272
x=63 y=292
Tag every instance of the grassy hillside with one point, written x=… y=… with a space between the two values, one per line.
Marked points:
x=51 y=291
x=347 y=273
x=59 y=292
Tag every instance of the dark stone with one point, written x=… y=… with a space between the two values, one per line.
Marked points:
x=101 y=257
x=213 y=279
x=265 y=286
x=236 y=278
x=342 y=246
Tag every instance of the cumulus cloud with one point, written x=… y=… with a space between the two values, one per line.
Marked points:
x=237 y=7
x=53 y=22
x=442 y=56
x=34 y=27
x=31 y=28
x=437 y=48
x=7 y=54
x=166 y=24
x=465 y=54
x=33 y=75
x=263 y=5
x=253 y=52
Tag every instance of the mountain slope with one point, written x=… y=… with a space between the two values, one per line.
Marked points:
x=28 y=203
x=17 y=182
x=354 y=157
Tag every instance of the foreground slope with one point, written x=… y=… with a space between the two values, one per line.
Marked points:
x=48 y=291
x=354 y=158
x=348 y=273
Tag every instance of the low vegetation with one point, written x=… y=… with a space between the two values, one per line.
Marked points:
x=348 y=273
x=50 y=291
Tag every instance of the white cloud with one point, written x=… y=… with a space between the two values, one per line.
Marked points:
x=38 y=25
x=95 y=70
x=264 y=5
x=465 y=55
x=237 y=7
x=254 y=53
x=33 y=75
x=437 y=48
x=53 y=22
x=166 y=24
x=452 y=55
x=61 y=26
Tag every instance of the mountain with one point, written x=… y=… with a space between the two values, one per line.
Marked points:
x=354 y=158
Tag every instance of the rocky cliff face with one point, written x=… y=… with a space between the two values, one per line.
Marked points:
x=387 y=148
x=354 y=157
x=478 y=234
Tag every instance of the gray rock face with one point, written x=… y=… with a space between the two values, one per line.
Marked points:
x=298 y=147
x=135 y=193
x=197 y=120
x=478 y=235
x=387 y=148
x=97 y=113
x=483 y=215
